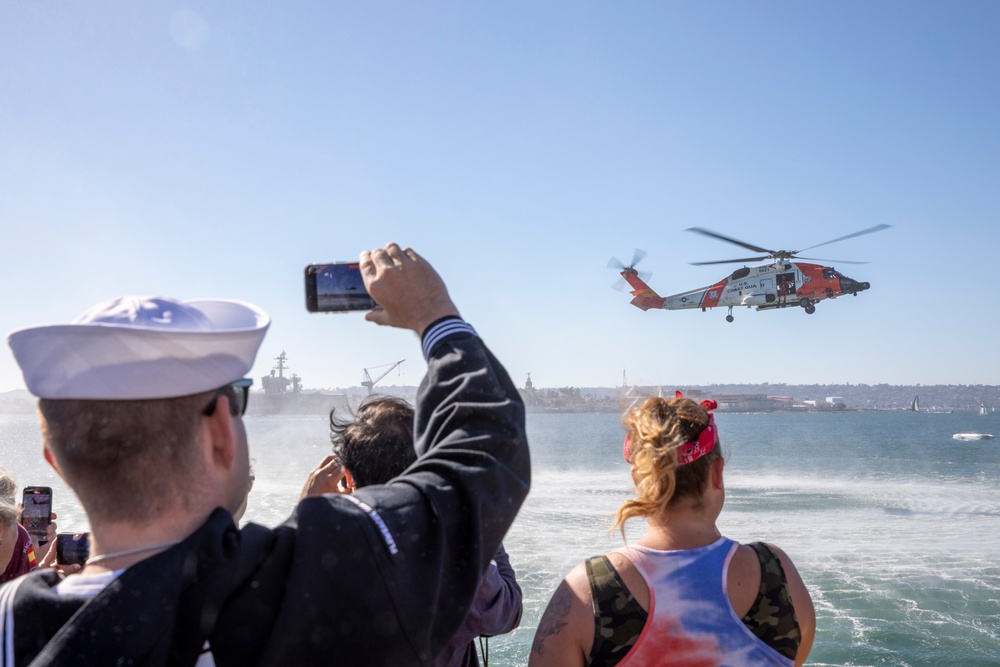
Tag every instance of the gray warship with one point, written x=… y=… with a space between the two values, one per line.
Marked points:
x=282 y=394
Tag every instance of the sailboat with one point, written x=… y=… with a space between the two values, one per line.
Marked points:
x=982 y=410
x=915 y=404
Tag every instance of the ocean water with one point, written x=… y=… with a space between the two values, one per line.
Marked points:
x=894 y=526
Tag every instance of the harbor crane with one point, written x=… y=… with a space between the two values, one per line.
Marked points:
x=369 y=382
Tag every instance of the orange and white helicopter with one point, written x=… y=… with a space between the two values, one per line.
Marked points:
x=779 y=284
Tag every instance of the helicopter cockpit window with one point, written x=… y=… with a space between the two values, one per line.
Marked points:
x=741 y=273
x=829 y=274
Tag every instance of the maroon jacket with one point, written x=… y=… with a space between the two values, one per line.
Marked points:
x=22 y=561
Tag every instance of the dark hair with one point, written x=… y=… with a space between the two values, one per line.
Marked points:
x=377 y=443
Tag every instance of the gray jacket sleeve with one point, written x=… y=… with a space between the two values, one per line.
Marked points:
x=496 y=609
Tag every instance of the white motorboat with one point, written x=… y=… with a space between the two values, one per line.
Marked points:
x=972 y=436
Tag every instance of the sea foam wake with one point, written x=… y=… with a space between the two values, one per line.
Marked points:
x=894 y=526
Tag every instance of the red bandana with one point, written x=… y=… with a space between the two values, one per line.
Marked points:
x=690 y=451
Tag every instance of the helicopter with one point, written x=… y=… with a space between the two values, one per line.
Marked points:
x=780 y=284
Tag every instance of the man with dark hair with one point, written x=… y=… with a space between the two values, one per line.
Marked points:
x=373 y=448
x=377 y=444
x=141 y=407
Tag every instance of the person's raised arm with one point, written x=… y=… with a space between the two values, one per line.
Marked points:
x=453 y=506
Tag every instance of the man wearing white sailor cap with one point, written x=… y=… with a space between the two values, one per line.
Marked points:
x=143 y=398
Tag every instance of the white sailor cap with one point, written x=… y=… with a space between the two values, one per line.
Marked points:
x=140 y=347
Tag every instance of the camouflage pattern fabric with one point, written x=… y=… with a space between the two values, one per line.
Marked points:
x=772 y=617
x=618 y=618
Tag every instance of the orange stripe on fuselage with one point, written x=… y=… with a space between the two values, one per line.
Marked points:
x=713 y=294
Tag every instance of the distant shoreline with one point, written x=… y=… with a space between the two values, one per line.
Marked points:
x=766 y=397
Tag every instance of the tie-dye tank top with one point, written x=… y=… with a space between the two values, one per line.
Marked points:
x=692 y=623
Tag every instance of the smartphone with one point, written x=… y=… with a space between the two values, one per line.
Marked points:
x=37 y=512
x=336 y=288
x=72 y=548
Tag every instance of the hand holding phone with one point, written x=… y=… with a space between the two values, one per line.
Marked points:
x=336 y=288
x=410 y=292
x=37 y=512
x=72 y=548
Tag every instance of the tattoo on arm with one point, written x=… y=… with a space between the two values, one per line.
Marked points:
x=554 y=619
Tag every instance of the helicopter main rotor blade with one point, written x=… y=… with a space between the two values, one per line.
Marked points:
x=836 y=261
x=733 y=261
x=870 y=230
x=729 y=239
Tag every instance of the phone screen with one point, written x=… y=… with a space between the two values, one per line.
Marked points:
x=36 y=515
x=336 y=288
x=72 y=548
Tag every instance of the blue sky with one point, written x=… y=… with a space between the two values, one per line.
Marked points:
x=214 y=149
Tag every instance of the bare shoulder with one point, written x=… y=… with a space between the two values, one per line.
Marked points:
x=745 y=563
x=743 y=579
x=565 y=631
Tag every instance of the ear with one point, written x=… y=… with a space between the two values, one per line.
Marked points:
x=715 y=473
x=221 y=437
x=51 y=459
x=349 y=480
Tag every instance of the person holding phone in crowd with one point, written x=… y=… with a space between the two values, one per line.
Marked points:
x=18 y=552
x=142 y=399
x=683 y=594
x=375 y=447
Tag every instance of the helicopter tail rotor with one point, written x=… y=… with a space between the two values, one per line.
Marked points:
x=637 y=255
x=619 y=266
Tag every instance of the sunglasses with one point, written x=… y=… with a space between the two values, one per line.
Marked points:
x=238 y=394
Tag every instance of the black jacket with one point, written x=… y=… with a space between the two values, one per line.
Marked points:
x=383 y=577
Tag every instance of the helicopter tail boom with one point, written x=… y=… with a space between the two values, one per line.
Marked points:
x=644 y=296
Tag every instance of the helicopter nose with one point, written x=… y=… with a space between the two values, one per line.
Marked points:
x=851 y=286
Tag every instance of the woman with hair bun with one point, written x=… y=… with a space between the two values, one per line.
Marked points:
x=683 y=594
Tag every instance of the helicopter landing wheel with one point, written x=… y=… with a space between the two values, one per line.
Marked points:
x=804 y=302
x=810 y=309
x=729 y=317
